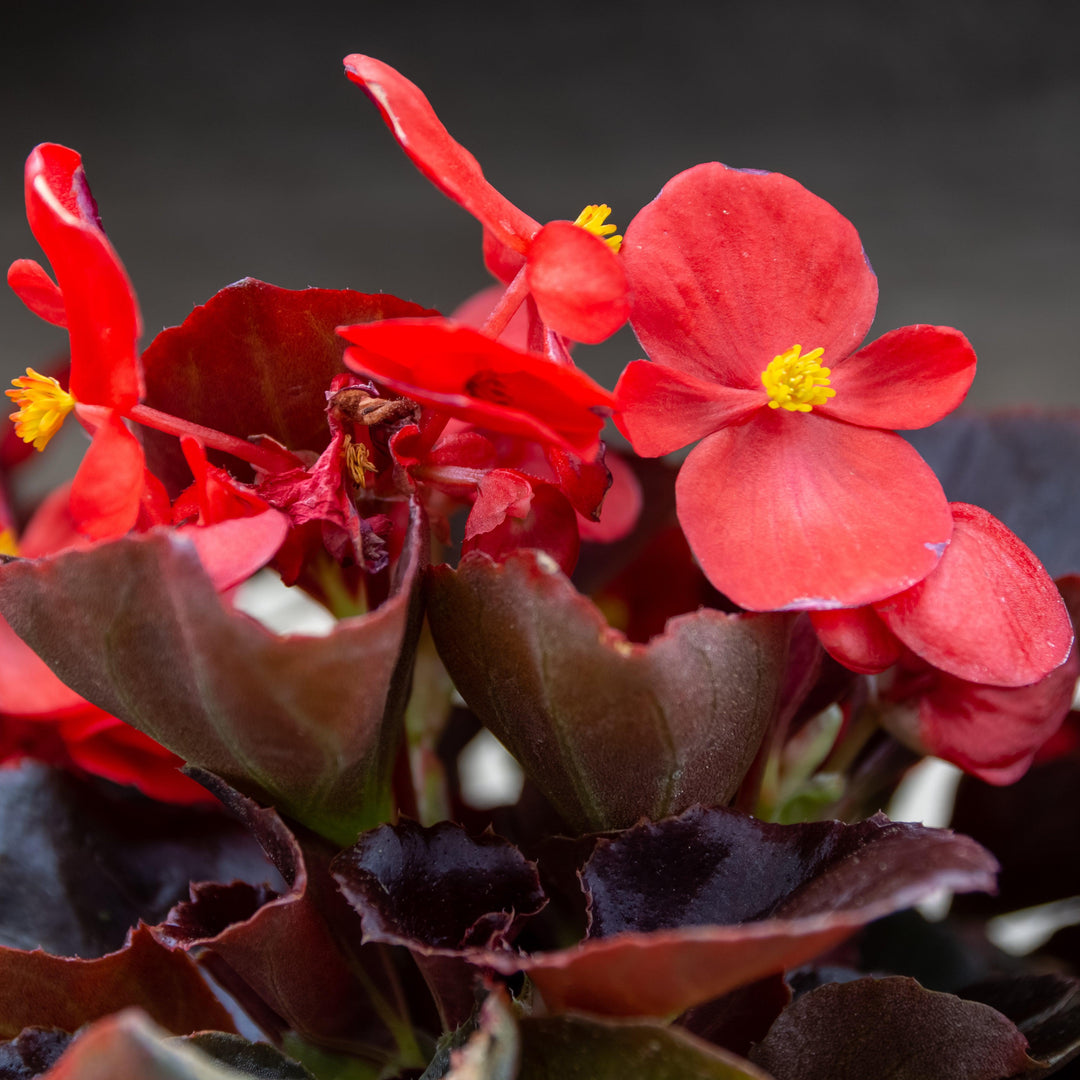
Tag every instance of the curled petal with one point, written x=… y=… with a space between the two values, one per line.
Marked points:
x=443 y=160
x=661 y=409
x=729 y=269
x=578 y=283
x=988 y=613
x=795 y=512
x=102 y=315
x=907 y=378
x=457 y=370
x=37 y=291
x=857 y=638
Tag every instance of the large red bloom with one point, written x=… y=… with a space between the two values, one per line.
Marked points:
x=575 y=278
x=751 y=296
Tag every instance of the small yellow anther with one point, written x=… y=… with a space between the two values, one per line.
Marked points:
x=8 y=544
x=592 y=219
x=43 y=404
x=358 y=461
x=796 y=382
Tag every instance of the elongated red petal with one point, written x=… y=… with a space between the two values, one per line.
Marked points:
x=107 y=488
x=988 y=613
x=793 y=511
x=37 y=291
x=459 y=371
x=102 y=314
x=578 y=283
x=443 y=160
x=857 y=638
x=907 y=378
x=729 y=269
x=661 y=409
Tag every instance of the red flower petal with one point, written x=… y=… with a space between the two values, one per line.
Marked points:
x=729 y=269
x=994 y=732
x=27 y=685
x=578 y=283
x=989 y=613
x=857 y=638
x=231 y=551
x=661 y=409
x=37 y=291
x=102 y=315
x=459 y=371
x=444 y=161
x=792 y=511
x=908 y=378
x=106 y=491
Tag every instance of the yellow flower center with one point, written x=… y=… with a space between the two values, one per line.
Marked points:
x=358 y=461
x=43 y=404
x=8 y=545
x=796 y=382
x=592 y=219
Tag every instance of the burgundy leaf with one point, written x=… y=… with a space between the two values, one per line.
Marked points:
x=701 y=905
x=252 y=1059
x=85 y=861
x=309 y=724
x=255 y=359
x=1019 y=465
x=37 y=988
x=608 y=730
x=891 y=1027
x=294 y=960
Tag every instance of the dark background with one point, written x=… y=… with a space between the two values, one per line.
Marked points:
x=223 y=140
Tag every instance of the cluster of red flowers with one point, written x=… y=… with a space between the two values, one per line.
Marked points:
x=751 y=297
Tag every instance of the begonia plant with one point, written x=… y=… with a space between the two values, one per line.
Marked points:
x=231 y=849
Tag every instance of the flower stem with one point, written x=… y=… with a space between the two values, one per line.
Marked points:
x=504 y=310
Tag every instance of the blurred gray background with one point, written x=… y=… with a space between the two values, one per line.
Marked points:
x=223 y=140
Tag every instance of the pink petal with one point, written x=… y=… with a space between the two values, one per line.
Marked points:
x=102 y=314
x=989 y=613
x=578 y=283
x=37 y=291
x=907 y=378
x=108 y=486
x=661 y=409
x=795 y=511
x=729 y=269
x=28 y=688
x=444 y=161
x=232 y=550
x=857 y=638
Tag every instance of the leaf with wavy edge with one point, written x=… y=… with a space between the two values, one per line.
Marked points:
x=610 y=731
x=308 y=724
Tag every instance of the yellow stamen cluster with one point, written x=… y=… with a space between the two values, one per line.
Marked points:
x=358 y=461
x=796 y=382
x=8 y=545
x=43 y=404
x=592 y=219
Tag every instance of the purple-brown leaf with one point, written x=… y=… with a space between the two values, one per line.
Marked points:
x=608 y=730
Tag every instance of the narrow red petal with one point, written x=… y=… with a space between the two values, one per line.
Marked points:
x=458 y=370
x=108 y=487
x=443 y=160
x=102 y=314
x=37 y=291
x=908 y=378
x=661 y=409
x=729 y=269
x=857 y=638
x=578 y=283
x=796 y=511
x=989 y=613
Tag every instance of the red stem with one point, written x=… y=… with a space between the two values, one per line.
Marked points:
x=508 y=303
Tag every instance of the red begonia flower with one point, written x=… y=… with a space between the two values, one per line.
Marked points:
x=800 y=495
x=575 y=278
x=92 y=295
x=459 y=371
x=988 y=613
